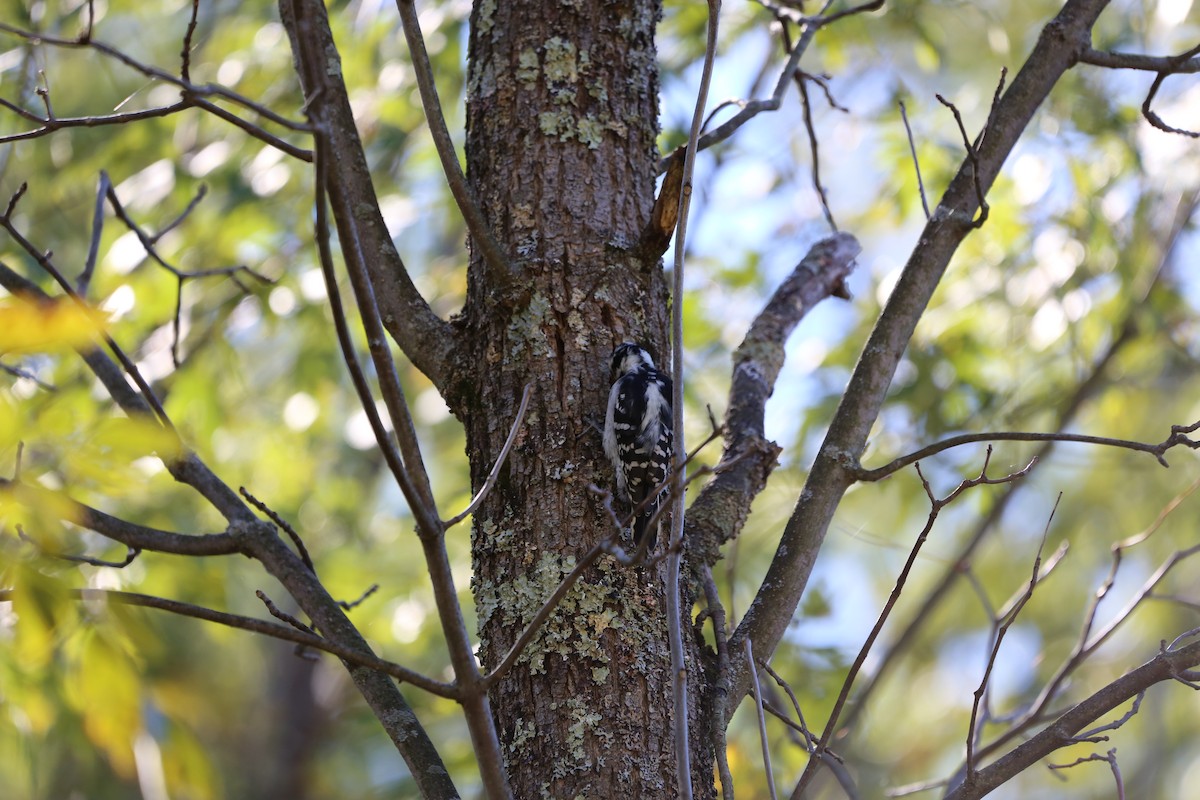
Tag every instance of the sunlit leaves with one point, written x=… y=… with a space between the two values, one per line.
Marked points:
x=30 y=326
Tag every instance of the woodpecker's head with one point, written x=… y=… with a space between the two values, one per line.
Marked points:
x=627 y=357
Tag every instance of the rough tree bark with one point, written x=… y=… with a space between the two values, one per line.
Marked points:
x=562 y=119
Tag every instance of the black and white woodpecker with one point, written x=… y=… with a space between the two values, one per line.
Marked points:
x=638 y=432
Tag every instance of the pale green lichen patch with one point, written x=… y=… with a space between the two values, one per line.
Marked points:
x=591 y=132
x=487 y=12
x=526 y=331
x=523 y=733
x=527 y=65
x=561 y=64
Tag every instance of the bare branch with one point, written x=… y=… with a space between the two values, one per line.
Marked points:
x=500 y=270
x=9 y=279
x=542 y=614
x=149 y=242
x=282 y=616
x=188 y=89
x=131 y=554
x=1163 y=667
x=719 y=512
x=185 y=55
x=719 y=688
x=426 y=339
x=350 y=605
x=916 y=163
x=1110 y=758
x=1139 y=61
x=675 y=612
x=752 y=108
x=1000 y=628
x=1088 y=642
x=18 y=372
x=810 y=741
x=494 y=475
x=1178 y=437
x=283 y=525
x=85 y=278
x=347 y=654
x=762 y=720
x=1148 y=112
x=936 y=506
x=1124 y=332
x=132 y=535
x=973 y=160
x=258 y=539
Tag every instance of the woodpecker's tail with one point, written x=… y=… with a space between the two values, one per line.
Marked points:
x=641 y=525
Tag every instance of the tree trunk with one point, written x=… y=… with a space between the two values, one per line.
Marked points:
x=561 y=127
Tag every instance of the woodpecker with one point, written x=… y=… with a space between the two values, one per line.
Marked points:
x=638 y=432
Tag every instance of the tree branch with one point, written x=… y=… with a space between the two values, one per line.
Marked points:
x=1177 y=437
x=140 y=537
x=425 y=338
x=1166 y=666
x=494 y=475
x=719 y=512
x=260 y=540
x=1124 y=333
x=192 y=96
x=501 y=272
x=768 y=616
x=283 y=632
x=748 y=109
x=1139 y=61
x=936 y=504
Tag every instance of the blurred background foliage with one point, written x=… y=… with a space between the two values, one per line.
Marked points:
x=1077 y=258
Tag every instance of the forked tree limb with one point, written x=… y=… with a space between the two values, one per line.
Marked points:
x=719 y=512
x=1058 y=48
x=424 y=337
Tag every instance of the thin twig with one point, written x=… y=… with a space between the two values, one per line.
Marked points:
x=271 y=629
x=1001 y=627
x=283 y=616
x=762 y=720
x=1124 y=333
x=912 y=147
x=936 y=506
x=494 y=475
x=350 y=605
x=809 y=739
x=283 y=524
x=188 y=88
x=1110 y=758
x=185 y=54
x=973 y=159
x=1178 y=437
x=1148 y=112
x=1087 y=641
x=500 y=270
x=130 y=555
x=720 y=687
x=749 y=109
x=679 y=687
x=44 y=261
x=148 y=243
x=85 y=277
x=814 y=150
x=18 y=372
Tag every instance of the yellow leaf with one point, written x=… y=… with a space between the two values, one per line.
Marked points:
x=44 y=612
x=129 y=439
x=36 y=326
x=110 y=701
